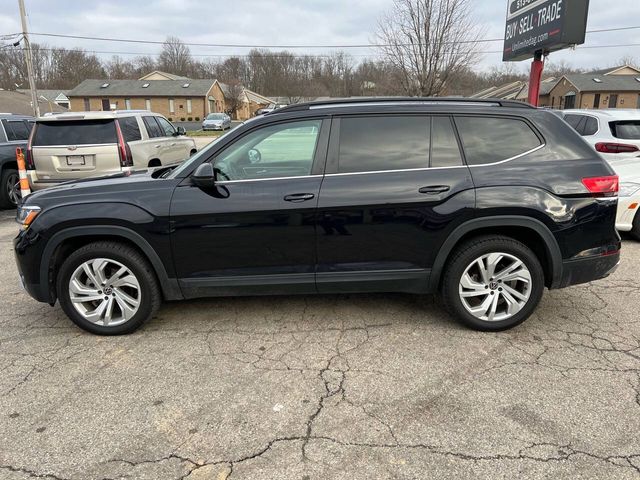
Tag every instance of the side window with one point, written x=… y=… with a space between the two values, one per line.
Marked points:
x=130 y=129
x=283 y=150
x=493 y=139
x=16 y=130
x=444 y=146
x=167 y=128
x=153 y=129
x=573 y=120
x=590 y=126
x=369 y=144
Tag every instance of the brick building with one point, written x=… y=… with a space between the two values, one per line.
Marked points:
x=617 y=87
x=177 y=98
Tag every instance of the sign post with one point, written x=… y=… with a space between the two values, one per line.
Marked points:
x=537 y=27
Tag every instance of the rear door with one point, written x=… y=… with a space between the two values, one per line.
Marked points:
x=394 y=188
x=71 y=149
x=156 y=144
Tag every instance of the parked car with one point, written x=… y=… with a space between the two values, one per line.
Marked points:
x=615 y=133
x=14 y=132
x=75 y=145
x=216 y=121
x=268 y=109
x=486 y=202
x=628 y=219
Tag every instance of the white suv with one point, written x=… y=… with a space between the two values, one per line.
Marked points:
x=615 y=133
x=70 y=146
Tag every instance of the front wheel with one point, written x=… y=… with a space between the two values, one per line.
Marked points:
x=492 y=283
x=108 y=288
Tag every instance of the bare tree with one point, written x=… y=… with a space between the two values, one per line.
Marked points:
x=233 y=94
x=428 y=41
x=175 y=57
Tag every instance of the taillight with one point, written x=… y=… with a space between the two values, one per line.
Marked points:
x=607 y=147
x=126 y=159
x=28 y=157
x=602 y=186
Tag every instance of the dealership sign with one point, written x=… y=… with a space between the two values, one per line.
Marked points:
x=546 y=25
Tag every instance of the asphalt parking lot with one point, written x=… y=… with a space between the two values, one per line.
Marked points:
x=341 y=387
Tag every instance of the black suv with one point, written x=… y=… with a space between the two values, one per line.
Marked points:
x=486 y=202
x=14 y=132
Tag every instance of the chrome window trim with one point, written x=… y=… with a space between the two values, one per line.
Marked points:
x=244 y=180
x=511 y=158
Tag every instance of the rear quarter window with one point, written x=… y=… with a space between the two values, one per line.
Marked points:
x=494 y=139
x=130 y=129
x=628 y=129
x=76 y=132
x=153 y=129
x=16 y=130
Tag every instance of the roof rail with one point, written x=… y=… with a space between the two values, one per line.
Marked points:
x=348 y=102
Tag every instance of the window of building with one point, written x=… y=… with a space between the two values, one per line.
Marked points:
x=147 y=103
x=492 y=139
x=369 y=144
x=172 y=107
x=596 y=101
x=127 y=104
x=87 y=104
x=613 y=100
x=189 y=105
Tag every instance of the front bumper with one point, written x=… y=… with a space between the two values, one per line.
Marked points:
x=213 y=127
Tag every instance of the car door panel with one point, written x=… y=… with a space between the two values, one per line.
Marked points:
x=380 y=231
x=248 y=236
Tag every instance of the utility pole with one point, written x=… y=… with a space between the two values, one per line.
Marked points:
x=27 y=54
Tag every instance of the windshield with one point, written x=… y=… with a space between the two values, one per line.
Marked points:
x=215 y=116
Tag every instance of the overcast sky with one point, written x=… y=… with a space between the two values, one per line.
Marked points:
x=262 y=22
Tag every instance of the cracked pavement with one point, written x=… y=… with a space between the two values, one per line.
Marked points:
x=314 y=387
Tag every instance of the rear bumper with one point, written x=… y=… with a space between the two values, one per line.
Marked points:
x=584 y=270
x=627 y=209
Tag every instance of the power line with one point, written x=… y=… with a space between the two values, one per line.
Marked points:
x=237 y=45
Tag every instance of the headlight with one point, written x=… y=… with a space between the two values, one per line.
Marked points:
x=628 y=189
x=26 y=215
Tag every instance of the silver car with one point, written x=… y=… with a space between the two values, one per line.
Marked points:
x=216 y=121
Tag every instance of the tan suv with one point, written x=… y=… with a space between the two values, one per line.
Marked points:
x=70 y=146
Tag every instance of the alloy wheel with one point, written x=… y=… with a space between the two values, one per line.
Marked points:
x=13 y=188
x=495 y=287
x=105 y=292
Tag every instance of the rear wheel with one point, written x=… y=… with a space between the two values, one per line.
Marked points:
x=108 y=288
x=10 y=193
x=492 y=283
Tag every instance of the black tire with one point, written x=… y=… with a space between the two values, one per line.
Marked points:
x=635 y=230
x=150 y=298
x=8 y=180
x=464 y=255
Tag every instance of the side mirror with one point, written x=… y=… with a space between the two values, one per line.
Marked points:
x=180 y=131
x=204 y=177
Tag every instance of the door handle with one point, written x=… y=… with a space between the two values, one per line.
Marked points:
x=434 y=189
x=299 y=197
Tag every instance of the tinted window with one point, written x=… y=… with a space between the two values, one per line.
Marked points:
x=573 y=120
x=167 y=129
x=383 y=143
x=284 y=150
x=590 y=126
x=152 y=127
x=130 y=129
x=490 y=139
x=76 y=132
x=629 y=130
x=444 y=146
x=16 y=130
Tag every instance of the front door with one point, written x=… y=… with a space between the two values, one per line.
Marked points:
x=254 y=232
x=395 y=187
x=106 y=106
